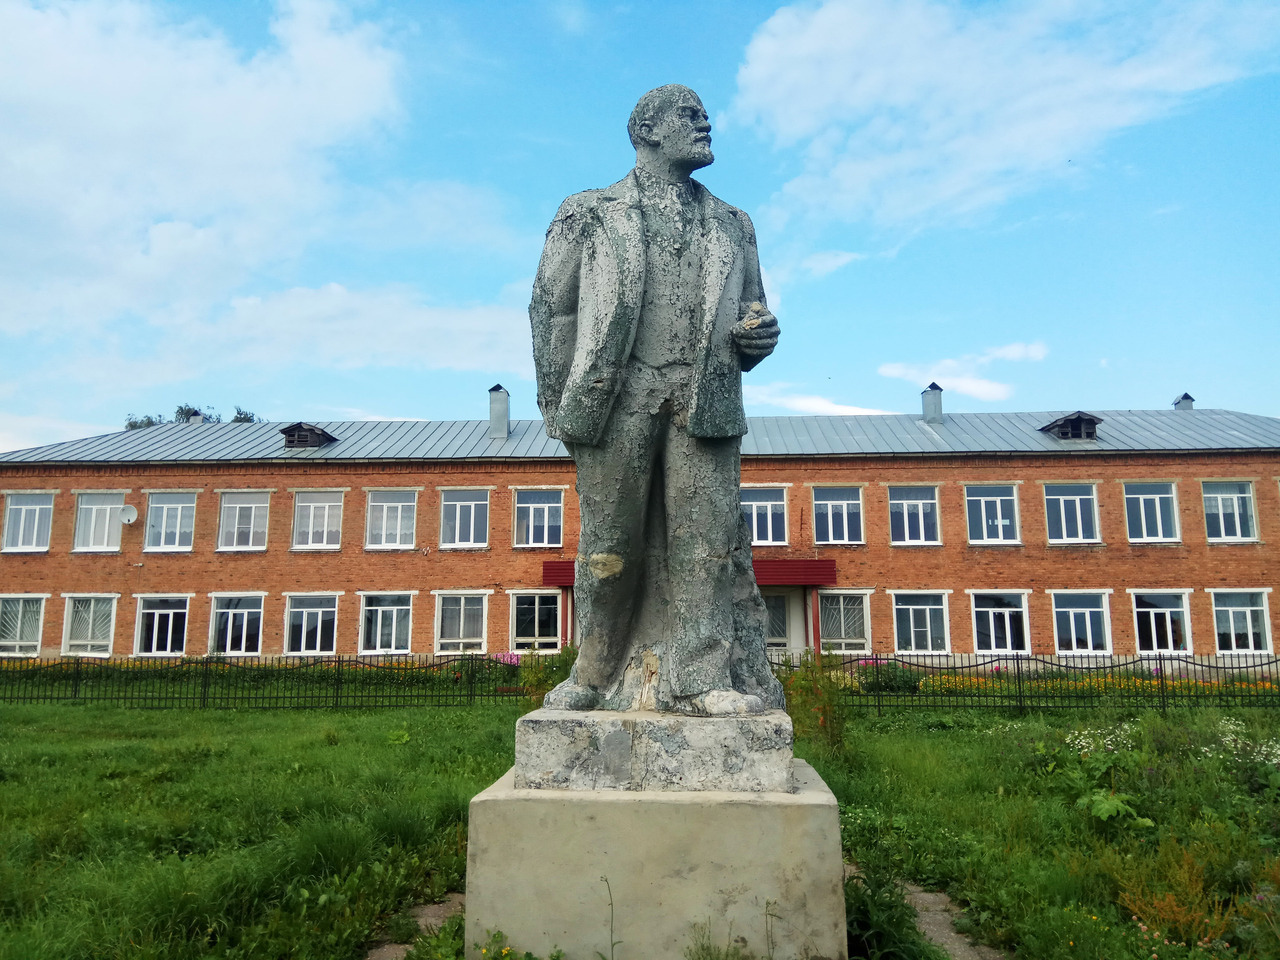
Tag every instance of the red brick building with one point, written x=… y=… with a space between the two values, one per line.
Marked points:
x=1116 y=532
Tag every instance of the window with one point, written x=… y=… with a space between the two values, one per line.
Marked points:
x=90 y=625
x=20 y=621
x=920 y=622
x=992 y=513
x=312 y=624
x=1000 y=623
x=538 y=514
x=1149 y=511
x=386 y=622
x=1080 y=622
x=1072 y=512
x=775 y=626
x=171 y=517
x=317 y=520
x=913 y=515
x=98 y=521
x=842 y=622
x=464 y=518
x=1240 y=619
x=766 y=513
x=1161 y=623
x=837 y=515
x=390 y=524
x=162 y=625
x=27 y=520
x=237 y=626
x=244 y=520
x=535 y=622
x=1228 y=511
x=460 y=622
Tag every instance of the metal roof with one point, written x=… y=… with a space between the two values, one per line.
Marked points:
x=959 y=433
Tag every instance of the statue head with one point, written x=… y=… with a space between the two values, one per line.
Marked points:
x=670 y=131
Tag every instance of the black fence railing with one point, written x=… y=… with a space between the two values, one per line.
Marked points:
x=1039 y=683
x=875 y=683
x=268 y=682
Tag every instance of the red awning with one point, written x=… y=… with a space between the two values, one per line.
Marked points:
x=557 y=573
x=806 y=573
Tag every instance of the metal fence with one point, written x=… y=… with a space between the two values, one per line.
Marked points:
x=869 y=683
x=268 y=682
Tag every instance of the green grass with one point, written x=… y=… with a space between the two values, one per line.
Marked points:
x=184 y=834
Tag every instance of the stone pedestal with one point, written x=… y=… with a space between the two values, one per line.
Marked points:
x=763 y=866
x=639 y=750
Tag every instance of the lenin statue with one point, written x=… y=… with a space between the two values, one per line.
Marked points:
x=646 y=310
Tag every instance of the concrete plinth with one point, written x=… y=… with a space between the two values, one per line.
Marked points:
x=764 y=867
x=640 y=750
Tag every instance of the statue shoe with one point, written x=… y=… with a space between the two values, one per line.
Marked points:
x=720 y=703
x=571 y=696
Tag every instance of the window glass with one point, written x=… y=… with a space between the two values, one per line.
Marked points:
x=461 y=623
x=999 y=623
x=171 y=518
x=162 y=626
x=837 y=514
x=842 y=622
x=1240 y=620
x=1071 y=509
x=992 y=514
x=1149 y=511
x=913 y=515
x=244 y=521
x=538 y=518
x=98 y=521
x=1161 y=622
x=237 y=626
x=312 y=624
x=28 y=518
x=20 y=619
x=317 y=520
x=766 y=513
x=90 y=622
x=391 y=518
x=1080 y=622
x=464 y=518
x=537 y=622
x=386 y=623
x=920 y=622
x=1228 y=511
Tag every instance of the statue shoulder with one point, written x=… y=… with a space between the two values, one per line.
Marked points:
x=729 y=214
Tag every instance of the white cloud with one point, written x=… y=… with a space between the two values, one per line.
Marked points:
x=963 y=374
x=828 y=261
x=17 y=432
x=908 y=111
x=781 y=395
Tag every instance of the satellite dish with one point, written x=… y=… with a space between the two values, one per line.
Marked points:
x=128 y=513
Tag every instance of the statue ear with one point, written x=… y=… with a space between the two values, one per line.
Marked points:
x=645 y=131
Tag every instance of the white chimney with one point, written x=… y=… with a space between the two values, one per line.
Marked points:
x=931 y=402
x=196 y=418
x=1185 y=402
x=499 y=412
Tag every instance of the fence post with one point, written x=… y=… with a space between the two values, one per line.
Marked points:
x=204 y=685
x=879 y=688
x=1164 y=695
x=75 y=681
x=337 y=683
x=1017 y=683
x=471 y=678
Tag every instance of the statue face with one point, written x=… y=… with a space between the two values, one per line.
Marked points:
x=683 y=133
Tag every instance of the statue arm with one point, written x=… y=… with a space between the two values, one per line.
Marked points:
x=553 y=312
x=756 y=333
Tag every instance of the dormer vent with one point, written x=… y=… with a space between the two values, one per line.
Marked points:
x=1185 y=402
x=499 y=412
x=931 y=403
x=1074 y=426
x=306 y=435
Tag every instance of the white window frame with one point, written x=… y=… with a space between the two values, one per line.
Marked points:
x=1026 y=621
x=1142 y=500
x=539 y=645
x=15 y=517
x=328 y=505
x=844 y=506
x=1184 y=609
x=1268 y=643
x=919 y=504
x=480 y=495
x=289 y=598
x=16 y=642
x=214 y=599
x=68 y=603
x=254 y=514
x=845 y=645
x=946 y=622
x=1079 y=513
x=112 y=524
x=1015 y=517
x=1248 y=498
x=1105 y=593
x=142 y=599
x=386 y=509
x=753 y=512
x=166 y=511
x=483 y=640
x=364 y=596
x=533 y=508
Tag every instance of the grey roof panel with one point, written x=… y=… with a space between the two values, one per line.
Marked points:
x=959 y=433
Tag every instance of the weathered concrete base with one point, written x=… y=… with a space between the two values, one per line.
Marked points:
x=643 y=750
x=762 y=868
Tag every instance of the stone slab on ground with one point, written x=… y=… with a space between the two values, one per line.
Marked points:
x=429 y=916
x=935 y=916
x=644 y=750
x=764 y=865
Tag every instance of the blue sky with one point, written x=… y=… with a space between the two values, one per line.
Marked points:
x=335 y=210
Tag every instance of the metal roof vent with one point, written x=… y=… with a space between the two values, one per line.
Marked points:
x=931 y=403
x=499 y=412
x=1185 y=402
x=1074 y=426
x=306 y=435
